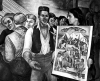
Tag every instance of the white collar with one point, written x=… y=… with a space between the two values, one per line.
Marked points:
x=38 y=26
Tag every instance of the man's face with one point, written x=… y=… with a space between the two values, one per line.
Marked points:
x=29 y=23
x=44 y=17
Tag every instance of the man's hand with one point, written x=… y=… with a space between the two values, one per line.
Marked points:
x=34 y=64
x=89 y=62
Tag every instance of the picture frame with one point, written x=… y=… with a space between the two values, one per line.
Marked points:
x=72 y=50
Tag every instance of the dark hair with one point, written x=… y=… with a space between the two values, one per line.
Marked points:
x=43 y=8
x=57 y=18
x=19 y=18
x=78 y=14
x=63 y=17
x=52 y=15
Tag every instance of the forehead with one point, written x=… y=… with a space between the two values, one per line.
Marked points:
x=70 y=14
x=30 y=19
x=63 y=19
x=44 y=13
x=6 y=19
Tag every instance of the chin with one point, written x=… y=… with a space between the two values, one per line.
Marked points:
x=45 y=23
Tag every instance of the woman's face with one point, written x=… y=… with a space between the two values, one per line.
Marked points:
x=71 y=18
x=29 y=23
x=8 y=22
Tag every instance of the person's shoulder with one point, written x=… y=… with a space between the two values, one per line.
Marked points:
x=12 y=35
x=5 y=30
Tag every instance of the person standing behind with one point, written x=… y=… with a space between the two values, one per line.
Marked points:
x=8 y=22
x=39 y=46
x=31 y=21
x=13 y=49
x=76 y=18
x=63 y=21
x=53 y=27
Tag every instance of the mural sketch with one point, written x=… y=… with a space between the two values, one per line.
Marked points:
x=72 y=50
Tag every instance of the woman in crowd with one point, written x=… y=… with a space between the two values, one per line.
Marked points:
x=31 y=21
x=8 y=22
x=76 y=18
x=63 y=21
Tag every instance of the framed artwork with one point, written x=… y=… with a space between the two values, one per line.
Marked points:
x=73 y=44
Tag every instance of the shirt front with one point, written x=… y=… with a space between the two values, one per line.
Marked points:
x=45 y=47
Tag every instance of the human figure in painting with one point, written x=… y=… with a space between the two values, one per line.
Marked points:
x=53 y=27
x=8 y=22
x=63 y=21
x=39 y=47
x=31 y=21
x=52 y=22
x=14 y=43
x=76 y=18
x=56 y=21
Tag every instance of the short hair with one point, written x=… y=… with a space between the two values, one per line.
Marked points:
x=19 y=18
x=31 y=16
x=78 y=14
x=43 y=8
x=52 y=15
x=61 y=17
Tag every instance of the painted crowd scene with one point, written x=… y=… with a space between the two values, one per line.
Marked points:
x=49 y=40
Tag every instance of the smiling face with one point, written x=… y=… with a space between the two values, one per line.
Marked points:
x=71 y=18
x=8 y=22
x=44 y=17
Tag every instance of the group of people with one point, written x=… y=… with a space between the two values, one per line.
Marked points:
x=29 y=45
